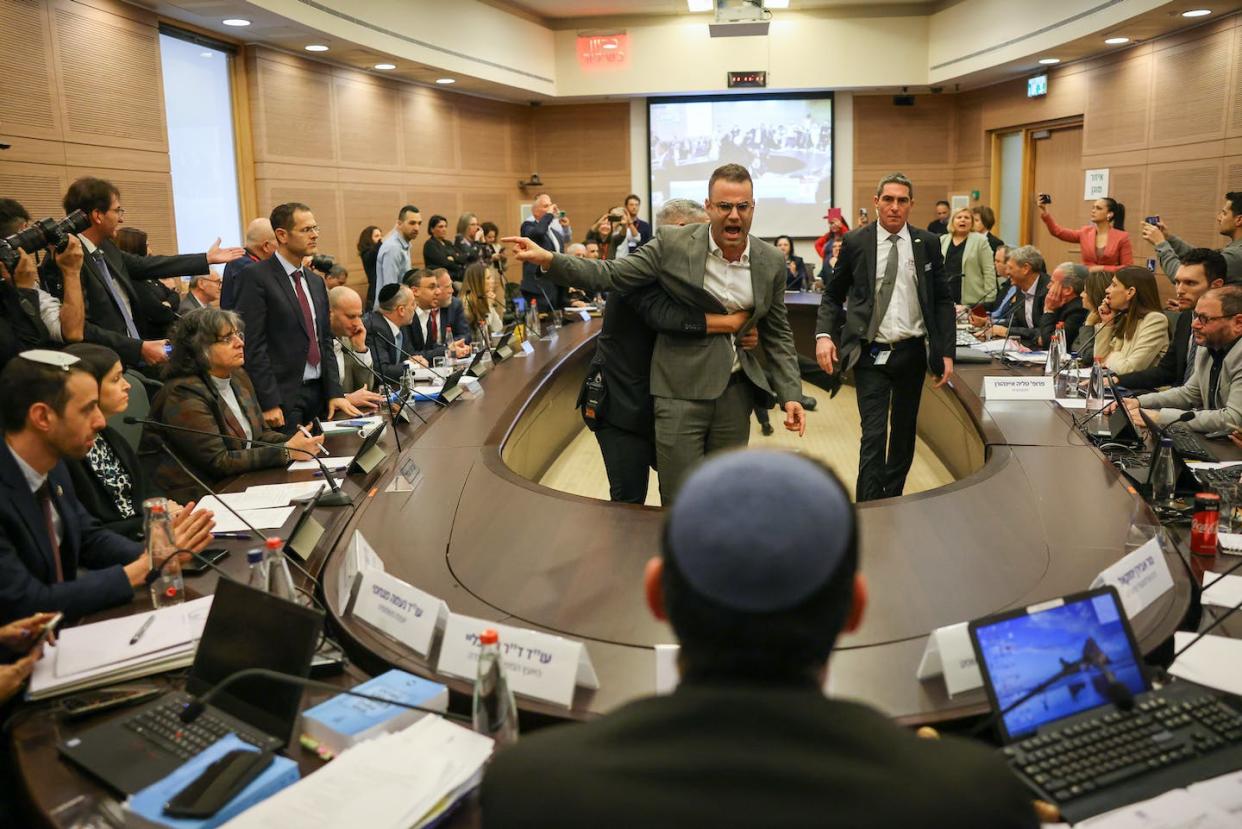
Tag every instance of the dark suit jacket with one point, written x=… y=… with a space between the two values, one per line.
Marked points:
x=277 y=341
x=190 y=303
x=27 y=569
x=385 y=358
x=99 y=500
x=229 y=281
x=160 y=306
x=454 y=316
x=748 y=756
x=193 y=403
x=644 y=231
x=368 y=265
x=1020 y=326
x=437 y=254
x=624 y=347
x=1171 y=369
x=1071 y=313
x=104 y=322
x=854 y=278
x=535 y=283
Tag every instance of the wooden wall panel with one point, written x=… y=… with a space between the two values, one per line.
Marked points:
x=148 y=203
x=482 y=133
x=429 y=127
x=368 y=122
x=885 y=134
x=1190 y=88
x=1117 y=112
x=27 y=96
x=1232 y=176
x=582 y=139
x=1186 y=194
x=294 y=106
x=38 y=187
x=1235 y=86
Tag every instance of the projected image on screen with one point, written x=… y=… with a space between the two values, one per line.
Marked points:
x=786 y=143
x=1079 y=648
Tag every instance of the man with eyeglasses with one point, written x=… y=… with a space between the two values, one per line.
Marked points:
x=899 y=324
x=204 y=293
x=113 y=316
x=704 y=386
x=1214 y=390
x=289 y=354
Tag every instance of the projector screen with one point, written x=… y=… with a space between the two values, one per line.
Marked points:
x=784 y=140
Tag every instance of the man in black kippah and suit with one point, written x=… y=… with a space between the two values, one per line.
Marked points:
x=749 y=738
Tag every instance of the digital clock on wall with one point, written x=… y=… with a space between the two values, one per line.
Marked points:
x=745 y=80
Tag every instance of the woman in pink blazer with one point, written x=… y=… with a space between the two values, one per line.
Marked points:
x=1104 y=243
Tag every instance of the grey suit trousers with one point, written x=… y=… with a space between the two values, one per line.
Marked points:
x=688 y=430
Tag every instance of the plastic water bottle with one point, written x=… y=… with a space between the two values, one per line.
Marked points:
x=257 y=559
x=450 y=358
x=533 y=331
x=1095 y=386
x=280 y=580
x=495 y=713
x=1164 y=474
x=168 y=588
x=1055 y=349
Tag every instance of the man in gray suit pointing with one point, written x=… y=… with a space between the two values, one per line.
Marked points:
x=704 y=387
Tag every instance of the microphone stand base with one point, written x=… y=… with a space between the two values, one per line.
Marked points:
x=336 y=498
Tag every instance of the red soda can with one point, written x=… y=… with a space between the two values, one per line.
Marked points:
x=1203 y=525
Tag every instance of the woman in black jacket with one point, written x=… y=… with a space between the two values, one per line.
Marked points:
x=369 y=242
x=109 y=480
x=439 y=250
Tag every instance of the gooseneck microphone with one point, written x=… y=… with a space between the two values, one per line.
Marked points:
x=197 y=705
x=389 y=394
x=336 y=498
x=410 y=356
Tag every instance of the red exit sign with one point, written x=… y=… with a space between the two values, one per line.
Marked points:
x=603 y=52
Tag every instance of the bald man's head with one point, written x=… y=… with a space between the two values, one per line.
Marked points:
x=260 y=240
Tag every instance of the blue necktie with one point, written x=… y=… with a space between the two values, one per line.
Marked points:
x=115 y=291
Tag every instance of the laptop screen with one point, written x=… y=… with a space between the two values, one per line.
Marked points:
x=248 y=628
x=1078 y=646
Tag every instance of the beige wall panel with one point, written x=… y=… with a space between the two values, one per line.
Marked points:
x=35 y=151
x=117 y=158
x=38 y=187
x=889 y=135
x=483 y=133
x=324 y=203
x=1232 y=169
x=362 y=207
x=1190 y=87
x=429 y=128
x=148 y=203
x=582 y=139
x=969 y=133
x=1117 y=111
x=1185 y=196
x=497 y=207
x=27 y=96
x=321 y=173
x=1235 y=85
x=522 y=144
x=294 y=104
x=122 y=105
x=368 y=118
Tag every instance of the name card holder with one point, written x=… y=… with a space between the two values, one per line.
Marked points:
x=667 y=674
x=501 y=354
x=1141 y=576
x=1019 y=388
x=950 y=654
x=306 y=534
x=586 y=315
x=359 y=557
x=366 y=461
x=538 y=665
x=402 y=611
x=527 y=348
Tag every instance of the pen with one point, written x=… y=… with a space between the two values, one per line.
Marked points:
x=134 y=639
x=309 y=435
x=230 y=535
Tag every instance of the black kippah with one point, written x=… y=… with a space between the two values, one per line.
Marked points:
x=388 y=291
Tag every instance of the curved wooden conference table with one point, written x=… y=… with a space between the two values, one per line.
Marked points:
x=1035 y=513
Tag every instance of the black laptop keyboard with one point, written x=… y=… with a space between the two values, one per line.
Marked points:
x=162 y=725
x=1187 y=444
x=1096 y=753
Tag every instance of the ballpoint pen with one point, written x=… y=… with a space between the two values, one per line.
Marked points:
x=323 y=449
x=134 y=639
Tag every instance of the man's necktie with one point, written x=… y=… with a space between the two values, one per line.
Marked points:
x=1190 y=360
x=312 y=353
x=44 y=494
x=433 y=331
x=400 y=341
x=115 y=290
x=885 y=293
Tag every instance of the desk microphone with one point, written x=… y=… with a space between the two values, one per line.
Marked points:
x=336 y=498
x=198 y=704
x=388 y=395
x=1008 y=323
x=410 y=356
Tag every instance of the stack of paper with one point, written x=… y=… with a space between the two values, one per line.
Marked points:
x=357 y=424
x=1213 y=661
x=1211 y=804
x=312 y=466
x=98 y=654
x=402 y=780
x=262 y=518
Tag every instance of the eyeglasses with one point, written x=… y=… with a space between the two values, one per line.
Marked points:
x=1204 y=319
x=728 y=207
x=232 y=339
x=120 y=211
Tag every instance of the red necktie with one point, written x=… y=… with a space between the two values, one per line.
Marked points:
x=312 y=354
x=44 y=494
x=433 y=333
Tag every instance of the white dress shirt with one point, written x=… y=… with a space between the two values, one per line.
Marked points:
x=309 y=372
x=904 y=317
x=422 y=314
x=729 y=282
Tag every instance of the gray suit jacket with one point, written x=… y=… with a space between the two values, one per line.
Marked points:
x=698 y=368
x=355 y=376
x=1194 y=395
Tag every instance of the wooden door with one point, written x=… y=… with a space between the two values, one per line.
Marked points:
x=1056 y=169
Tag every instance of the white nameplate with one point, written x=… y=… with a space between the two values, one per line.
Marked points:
x=1141 y=577
x=1019 y=388
x=537 y=665
x=359 y=557
x=527 y=348
x=586 y=315
x=404 y=612
x=950 y=653
x=667 y=674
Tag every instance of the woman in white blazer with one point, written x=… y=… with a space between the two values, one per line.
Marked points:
x=968 y=261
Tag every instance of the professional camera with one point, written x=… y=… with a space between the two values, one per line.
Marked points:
x=42 y=234
x=323 y=263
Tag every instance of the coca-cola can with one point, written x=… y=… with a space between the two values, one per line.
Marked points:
x=1204 y=525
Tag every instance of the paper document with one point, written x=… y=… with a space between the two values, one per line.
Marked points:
x=1178 y=809
x=331 y=427
x=1072 y=403
x=277 y=495
x=271 y=518
x=1214 y=661
x=310 y=466
x=92 y=646
x=1222 y=591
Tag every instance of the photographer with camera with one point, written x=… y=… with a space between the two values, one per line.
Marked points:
x=35 y=318
x=108 y=274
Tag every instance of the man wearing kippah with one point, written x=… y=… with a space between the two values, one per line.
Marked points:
x=748 y=738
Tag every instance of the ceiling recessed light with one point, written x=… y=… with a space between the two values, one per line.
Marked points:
x=316 y=47
x=385 y=66
x=1197 y=13
x=1116 y=41
x=1049 y=61
x=446 y=81
x=700 y=5
x=235 y=21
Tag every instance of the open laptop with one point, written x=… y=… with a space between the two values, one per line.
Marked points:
x=246 y=628
x=1080 y=722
